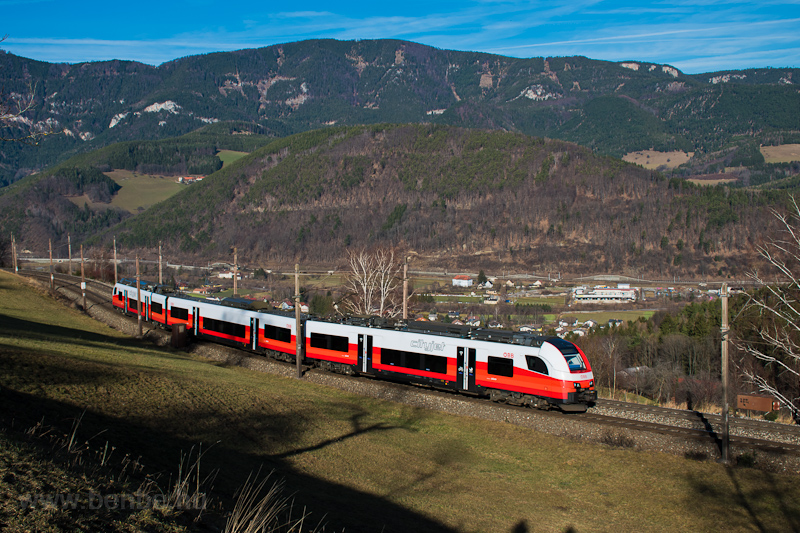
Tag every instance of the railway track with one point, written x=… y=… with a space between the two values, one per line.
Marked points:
x=609 y=416
x=783 y=432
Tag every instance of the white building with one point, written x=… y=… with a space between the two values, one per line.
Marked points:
x=606 y=294
x=462 y=281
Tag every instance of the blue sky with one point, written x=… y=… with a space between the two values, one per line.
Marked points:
x=694 y=36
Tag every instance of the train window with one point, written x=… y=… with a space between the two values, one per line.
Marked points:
x=501 y=366
x=391 y=357
x=278 y=334
x=536 y=364
x=436 y=363
x=575 y=361
x=570 y=353
x=227 y=328
x=180 y=313
x=414 y=361
x=156 y=308
x=133 y=304
x=330 y=342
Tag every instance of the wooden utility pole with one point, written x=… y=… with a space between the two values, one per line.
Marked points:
x=235 y=271
x=405 y=290
x=52 y=280
x=115 y=260
x=724 y=331
x=160 y=279
x=299 y=335
x=83 y=280
x=138 y=298
x=69 y=251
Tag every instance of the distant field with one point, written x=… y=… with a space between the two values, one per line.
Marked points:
x=229 y=156
x=652 y=159
x=710 y=183
x=139 y=191
x=781 y=154
x=602 y=317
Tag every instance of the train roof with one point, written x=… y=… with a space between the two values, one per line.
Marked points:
x=131 y=282
x=450 y=330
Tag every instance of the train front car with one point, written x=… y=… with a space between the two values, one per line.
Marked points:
x=541 y=372
x=571 y=367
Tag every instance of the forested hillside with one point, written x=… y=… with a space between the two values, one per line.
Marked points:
x=457 y=198
x=37 y=209
x=613 y=108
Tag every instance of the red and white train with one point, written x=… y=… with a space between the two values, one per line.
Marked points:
x=516 y=368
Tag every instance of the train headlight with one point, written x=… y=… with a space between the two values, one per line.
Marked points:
x=577 y=385
x=591 y=384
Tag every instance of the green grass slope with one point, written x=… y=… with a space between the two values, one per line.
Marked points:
x=362 y=464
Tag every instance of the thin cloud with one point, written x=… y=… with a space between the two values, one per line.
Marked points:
x=687 y=34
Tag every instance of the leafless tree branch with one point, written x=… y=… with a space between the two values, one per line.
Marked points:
x=13 y=108
x=373 y=283
x=777 y=304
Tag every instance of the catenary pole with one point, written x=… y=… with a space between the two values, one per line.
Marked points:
x=138 y=299
x=52 y=280
x=405 y=290
x=83 y=281
x=115 y=260
x=299 y=335
x=160 y=278
x=69 y=251
x=14 y=253
x=724 y=349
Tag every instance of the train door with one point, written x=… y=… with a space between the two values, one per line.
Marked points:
x=365 y=353
x=196 y=320
x=465 y=363
x=253 y=333
x=147 y=308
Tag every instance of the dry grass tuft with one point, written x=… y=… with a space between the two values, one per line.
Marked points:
x=271 y=512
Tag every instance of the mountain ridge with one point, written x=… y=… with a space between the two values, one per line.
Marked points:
x=306 y=85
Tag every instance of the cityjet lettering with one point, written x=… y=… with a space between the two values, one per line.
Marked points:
x=429 y=346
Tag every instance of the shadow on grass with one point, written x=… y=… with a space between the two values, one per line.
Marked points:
x=14 y=327
x=341 y=508
x=754 y=508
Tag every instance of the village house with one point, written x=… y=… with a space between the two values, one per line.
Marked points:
x=462 y=280
x=188 y=180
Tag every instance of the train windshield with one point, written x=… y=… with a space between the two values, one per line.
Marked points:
x=570 y=353
x=575 y=361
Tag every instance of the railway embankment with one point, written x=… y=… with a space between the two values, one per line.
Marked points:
x=765 y=445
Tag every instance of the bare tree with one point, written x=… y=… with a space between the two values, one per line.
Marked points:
x=13 y=108
x=611 y=346
x=373 y=283
x=5 y=251
x=778 y=307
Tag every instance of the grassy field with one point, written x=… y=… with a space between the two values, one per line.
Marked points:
x=139 y=191
x=711 y=183
x=781 y=154
x=602 y=317
x=361 y=463
x=652 y=159
x=229 y=156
